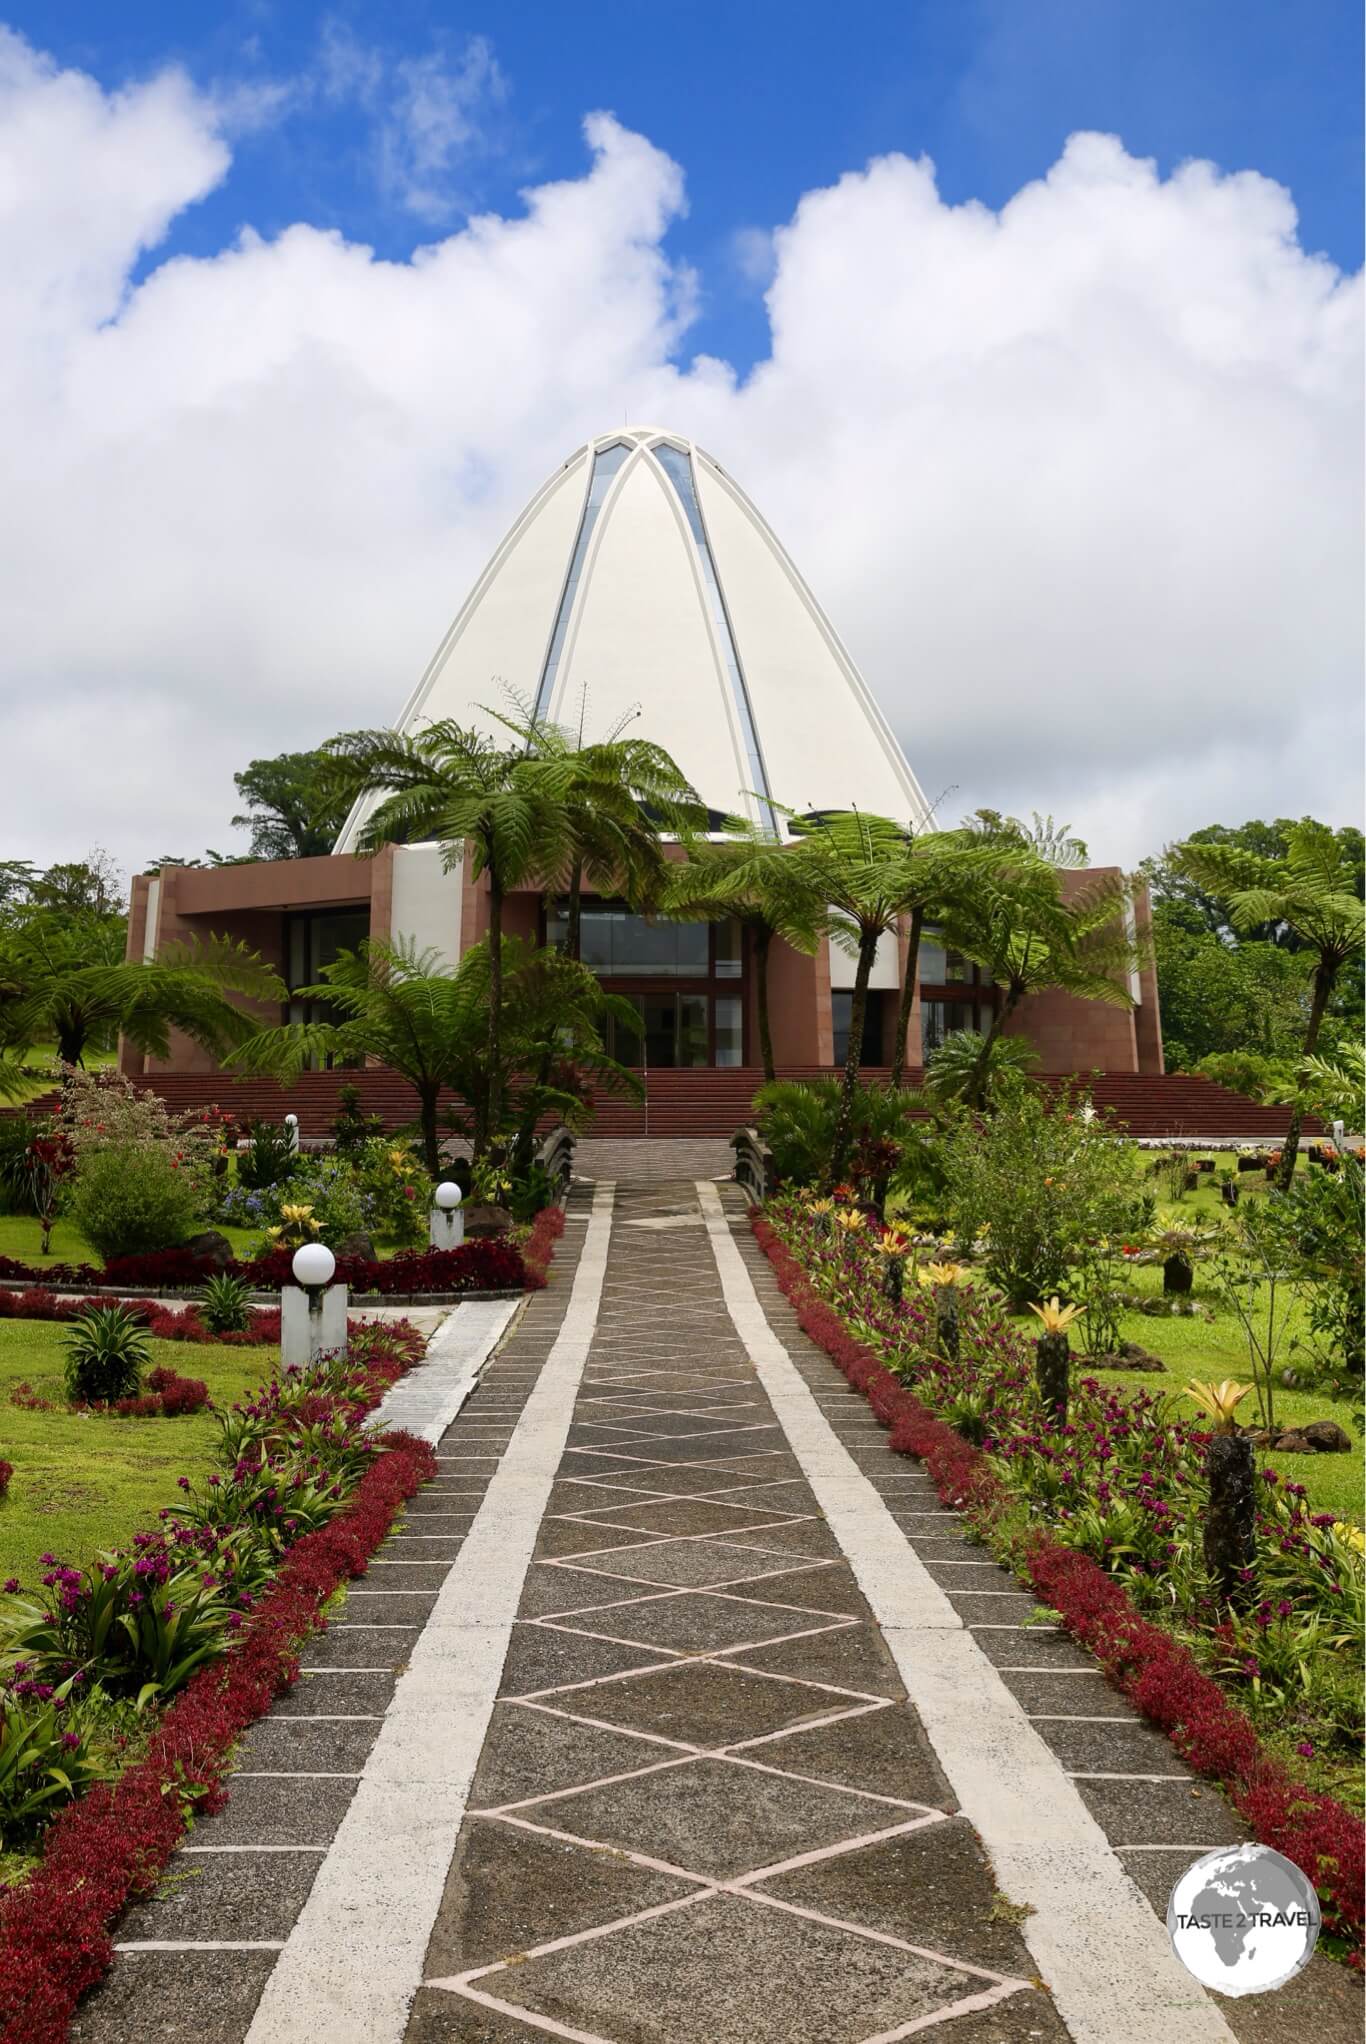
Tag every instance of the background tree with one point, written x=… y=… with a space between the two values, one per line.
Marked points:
x=1310 y=891
x=292 y=811
x=453 y=784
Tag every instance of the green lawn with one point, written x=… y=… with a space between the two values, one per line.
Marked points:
x=21 y=1237
x=82 y=1482
x=1202 y=1350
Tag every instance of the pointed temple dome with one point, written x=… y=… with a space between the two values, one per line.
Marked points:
x=641 y=574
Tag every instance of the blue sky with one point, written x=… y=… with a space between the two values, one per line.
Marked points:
x=1082 y=465
x=758 y=100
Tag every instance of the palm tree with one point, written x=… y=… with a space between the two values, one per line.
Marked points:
x=428 y=1021
x=455 y=785
x=1016 y=922
x=937 y=866
x=1311 y=892
x=66 y=981
x=619 y=794
x=855 y=867
x=752 y=877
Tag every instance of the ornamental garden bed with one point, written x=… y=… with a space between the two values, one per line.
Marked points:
x=487 y=1268
x=276 y=1503
x=1103 y=1518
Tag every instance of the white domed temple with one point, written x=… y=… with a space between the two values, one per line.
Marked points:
x=641 y=584
x=642 y=578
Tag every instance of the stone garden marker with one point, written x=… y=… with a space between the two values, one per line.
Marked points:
x=313 y=1311
x=447 y=1226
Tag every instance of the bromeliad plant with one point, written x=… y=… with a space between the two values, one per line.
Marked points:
x=1053 y=1356
x=106 y=1353
x=1231 y=1515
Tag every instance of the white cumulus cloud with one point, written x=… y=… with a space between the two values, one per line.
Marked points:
x=1078 y=481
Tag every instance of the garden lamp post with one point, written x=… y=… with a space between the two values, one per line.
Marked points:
x=292 y=1133
x=446 y=1229
x=313 y=1309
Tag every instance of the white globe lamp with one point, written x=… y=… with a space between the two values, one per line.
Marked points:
x=314 y=1265
x=448 y=1195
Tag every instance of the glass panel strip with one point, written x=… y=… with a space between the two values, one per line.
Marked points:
x=605 y=465
x=677 y=466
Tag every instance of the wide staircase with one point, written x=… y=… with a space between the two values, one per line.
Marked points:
x=707 y=1102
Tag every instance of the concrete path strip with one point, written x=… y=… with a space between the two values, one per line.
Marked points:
x=1101 y=1951
x=427 y=1399
x=353 y=1961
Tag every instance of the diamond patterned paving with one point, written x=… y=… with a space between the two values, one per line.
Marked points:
x=705 y=1973
x=696 y=1702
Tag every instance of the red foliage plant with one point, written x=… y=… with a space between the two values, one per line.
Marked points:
x=1159 y=1675
x=484 y=1265
x=6 y=1472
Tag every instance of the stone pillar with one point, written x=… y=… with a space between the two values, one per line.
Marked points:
x=311 y=1321
x=446 y=1226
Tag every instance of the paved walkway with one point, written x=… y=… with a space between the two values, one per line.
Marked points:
x=680 y=1709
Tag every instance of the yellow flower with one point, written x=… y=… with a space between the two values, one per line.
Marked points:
x=1220 y=1401
x=1350 y=1536
x=820 y=1206
x=851 y=1219
x=1056 y=1317
x=892 y=1243
x=298 y=1213
x=945 y=1274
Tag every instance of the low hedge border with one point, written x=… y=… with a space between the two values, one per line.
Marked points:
x=1159 y=1676
x=28 y=1293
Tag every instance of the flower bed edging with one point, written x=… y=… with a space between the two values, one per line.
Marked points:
x=1159 y=1676
x=109 y=1848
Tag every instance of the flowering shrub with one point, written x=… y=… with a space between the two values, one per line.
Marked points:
x=1105 y=1477
x=539 y=1246
x=167 y=1396
x=395 y=1189
x=1036 y=1181
x=127 y=1201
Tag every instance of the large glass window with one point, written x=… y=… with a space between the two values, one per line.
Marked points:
x=939 y=1019
x=311 y=942
x=938 y=967
x=672 y=1032
x=729 y=950
x=619 y=945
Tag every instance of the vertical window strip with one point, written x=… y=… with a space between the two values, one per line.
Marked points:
x=677 y=466
x=605 y=466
